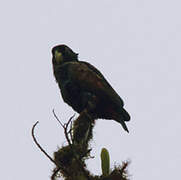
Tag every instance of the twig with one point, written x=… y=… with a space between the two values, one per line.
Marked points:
x=57 y=118
x=70 y=131
x=42 y=150
x=36 y=142
x=65 y=127
x=65 y=130
x=55 y=173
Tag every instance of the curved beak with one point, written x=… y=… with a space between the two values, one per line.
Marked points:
x=58 y=57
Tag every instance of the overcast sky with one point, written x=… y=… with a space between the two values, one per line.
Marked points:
x=135 y=44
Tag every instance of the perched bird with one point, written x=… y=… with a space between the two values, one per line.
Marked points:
x=84 y=87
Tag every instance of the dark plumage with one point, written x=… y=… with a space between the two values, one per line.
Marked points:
x=84 y=87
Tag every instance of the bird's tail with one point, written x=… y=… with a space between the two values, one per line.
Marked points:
x=124 y=116
x=123 y=124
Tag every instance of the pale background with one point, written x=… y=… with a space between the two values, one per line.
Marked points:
x=135 y=44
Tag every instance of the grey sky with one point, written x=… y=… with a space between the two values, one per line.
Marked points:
x=135 y=44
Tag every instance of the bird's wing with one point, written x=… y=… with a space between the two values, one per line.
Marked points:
x=90 y=79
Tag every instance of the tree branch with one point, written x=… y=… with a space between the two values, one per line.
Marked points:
x=42 y=150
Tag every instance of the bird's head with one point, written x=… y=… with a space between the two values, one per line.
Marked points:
x=62 y=54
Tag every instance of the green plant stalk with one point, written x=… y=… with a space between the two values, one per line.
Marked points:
x=105 y=162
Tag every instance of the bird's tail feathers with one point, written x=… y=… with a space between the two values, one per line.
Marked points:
x=123 y=124
x=125 y=115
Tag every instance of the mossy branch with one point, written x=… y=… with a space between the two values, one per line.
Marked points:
x=70 y=160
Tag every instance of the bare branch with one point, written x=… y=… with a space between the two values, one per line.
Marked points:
x=70 y=132
x=64 y=126
x=36 y=142
x=66 y=132
x=57 y=118
x=42 y=150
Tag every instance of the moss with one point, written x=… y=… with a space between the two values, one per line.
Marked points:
x=72 y=157
x=82 y=129
x=64 y=156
